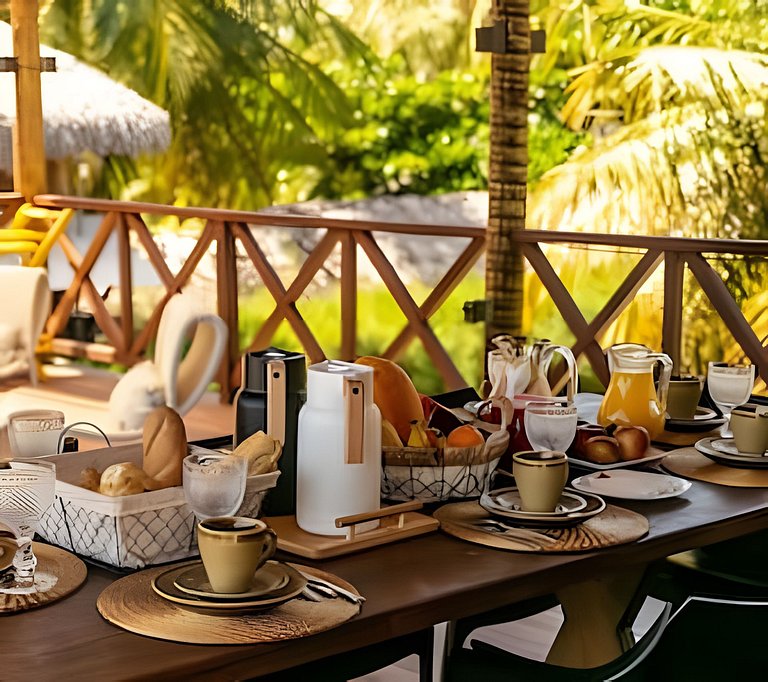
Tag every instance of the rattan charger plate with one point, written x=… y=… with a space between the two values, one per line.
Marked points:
x=690 y=463
x=613 y=526
x=58 y=574
x=132 y=604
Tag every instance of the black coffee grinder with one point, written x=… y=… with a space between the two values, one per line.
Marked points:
x=273 y=389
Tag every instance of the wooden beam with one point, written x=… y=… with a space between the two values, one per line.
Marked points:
x=28 y=142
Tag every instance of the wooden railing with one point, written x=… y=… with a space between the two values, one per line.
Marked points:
x=228 y=228
x=676 y=253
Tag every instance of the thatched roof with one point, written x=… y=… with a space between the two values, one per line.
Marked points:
x=83 y=110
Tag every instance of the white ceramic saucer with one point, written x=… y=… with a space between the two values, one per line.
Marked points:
x=269 y=578
x=558 y=519
x=723 y=451
x=164 y=586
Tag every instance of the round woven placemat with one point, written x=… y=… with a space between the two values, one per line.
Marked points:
x=690 y=463
x=612 y=526
x=132 y=604
x=58 y=574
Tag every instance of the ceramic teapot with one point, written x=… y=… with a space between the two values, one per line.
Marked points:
x=631 y=398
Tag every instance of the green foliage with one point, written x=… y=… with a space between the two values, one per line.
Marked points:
x=409 y=136
x=463 y=342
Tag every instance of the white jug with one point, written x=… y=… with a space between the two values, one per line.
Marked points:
x=338 y=449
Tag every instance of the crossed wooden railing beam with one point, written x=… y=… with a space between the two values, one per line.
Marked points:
x=675 y=253
x=228 y=229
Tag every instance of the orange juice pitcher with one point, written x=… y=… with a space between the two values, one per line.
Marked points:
x=631 y=398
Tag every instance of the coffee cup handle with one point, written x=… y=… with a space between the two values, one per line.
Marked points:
x=270 y=545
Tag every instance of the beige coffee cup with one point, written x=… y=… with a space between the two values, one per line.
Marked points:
x=540 y=477
x=233 y=548
x=750 y=431
x=683 y=397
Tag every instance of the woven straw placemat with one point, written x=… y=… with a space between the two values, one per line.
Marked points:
x=690 y=463
x=612 y=526
x=58 y=574
x=132 y=604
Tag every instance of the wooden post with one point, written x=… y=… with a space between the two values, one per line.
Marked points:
x=28 y=143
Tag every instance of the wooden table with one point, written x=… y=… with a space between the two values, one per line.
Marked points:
x=409 y=586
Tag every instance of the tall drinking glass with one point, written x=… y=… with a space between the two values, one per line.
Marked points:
x=550 y=426
x=730 y=386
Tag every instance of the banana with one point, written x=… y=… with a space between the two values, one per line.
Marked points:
x=389 y=437
x=418 y=437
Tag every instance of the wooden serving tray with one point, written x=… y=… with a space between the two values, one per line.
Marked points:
x=396 y=523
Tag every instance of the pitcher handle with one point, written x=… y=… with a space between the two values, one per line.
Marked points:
x=664 y=377
x=572 y=387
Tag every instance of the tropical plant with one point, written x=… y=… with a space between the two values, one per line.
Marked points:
x=242 y=81
x=675 y=92
x=409 y=136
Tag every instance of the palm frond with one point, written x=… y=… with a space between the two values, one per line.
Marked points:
x=660 y=77
x=677 y=171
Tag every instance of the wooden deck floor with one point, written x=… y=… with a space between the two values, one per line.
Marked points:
x=209 y=418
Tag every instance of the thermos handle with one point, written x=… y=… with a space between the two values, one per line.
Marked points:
x=276 y=400
x=354 y=404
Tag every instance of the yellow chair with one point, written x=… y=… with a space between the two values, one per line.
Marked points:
x=33 y=233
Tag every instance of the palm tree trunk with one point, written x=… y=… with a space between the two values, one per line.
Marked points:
x=508 y=170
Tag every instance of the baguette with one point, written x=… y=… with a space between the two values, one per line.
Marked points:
x=165 y=446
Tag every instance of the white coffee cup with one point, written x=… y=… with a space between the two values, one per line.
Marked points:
x=34 y=433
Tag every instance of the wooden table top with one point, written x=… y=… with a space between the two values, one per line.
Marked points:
x=408 y=585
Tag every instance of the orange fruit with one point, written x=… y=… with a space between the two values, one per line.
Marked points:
x=466 y=436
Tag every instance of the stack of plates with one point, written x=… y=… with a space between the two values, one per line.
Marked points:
x=572 y=508
x=273 y=584
x=723 y=451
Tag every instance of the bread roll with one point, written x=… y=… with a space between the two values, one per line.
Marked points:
x=124 y=478
x=394 y=394
x=165 y=446
x=262 y=452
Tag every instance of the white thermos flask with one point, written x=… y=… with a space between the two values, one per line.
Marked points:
x=338 y=448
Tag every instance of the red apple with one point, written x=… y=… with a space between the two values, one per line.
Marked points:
x=633 y=442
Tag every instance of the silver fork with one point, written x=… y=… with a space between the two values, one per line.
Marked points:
x=522 y=534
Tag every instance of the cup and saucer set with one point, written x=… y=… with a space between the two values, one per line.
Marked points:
x=236 y=572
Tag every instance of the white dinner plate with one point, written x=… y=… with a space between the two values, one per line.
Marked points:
x=626 y=484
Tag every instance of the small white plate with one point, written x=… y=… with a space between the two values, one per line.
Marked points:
x=626 y=484
x=586 y=464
